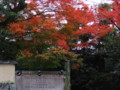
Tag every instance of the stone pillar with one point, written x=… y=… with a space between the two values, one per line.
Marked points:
x=7 y=75
x=67 y=76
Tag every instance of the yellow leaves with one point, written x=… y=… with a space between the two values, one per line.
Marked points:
x=58 y=52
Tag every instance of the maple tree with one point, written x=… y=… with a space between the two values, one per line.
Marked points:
x=39 y=19
x=51 y=24
x=109 y=14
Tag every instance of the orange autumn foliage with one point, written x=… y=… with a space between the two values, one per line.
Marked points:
x=58 y=22
x=109 y=14
x=25 y=53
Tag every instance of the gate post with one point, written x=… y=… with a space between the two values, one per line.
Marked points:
x=67 y=75
x=7 y=75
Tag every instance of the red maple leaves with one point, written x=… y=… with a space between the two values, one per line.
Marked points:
x=45 y=19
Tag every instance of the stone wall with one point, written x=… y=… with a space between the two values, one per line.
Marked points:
x=43 y=82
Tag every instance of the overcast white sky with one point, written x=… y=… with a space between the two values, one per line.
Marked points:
x=96 y=2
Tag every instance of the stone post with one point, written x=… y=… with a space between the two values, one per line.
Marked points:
x=7 y=75
x=67 y=76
